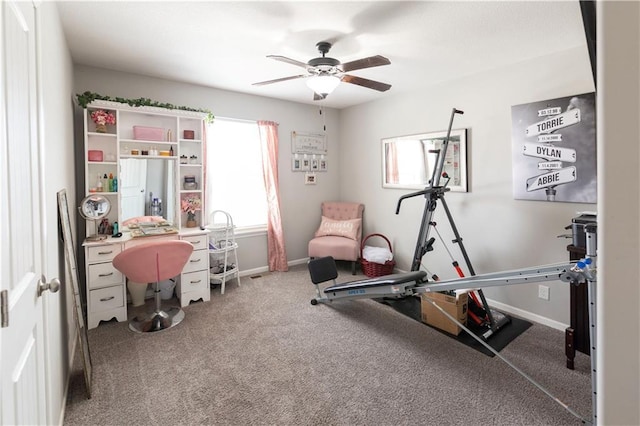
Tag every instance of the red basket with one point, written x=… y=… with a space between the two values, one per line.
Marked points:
x=373 y=269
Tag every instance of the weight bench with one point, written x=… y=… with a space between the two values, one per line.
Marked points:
x=324 y=269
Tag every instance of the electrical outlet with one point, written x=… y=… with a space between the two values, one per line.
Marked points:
x=543 y=292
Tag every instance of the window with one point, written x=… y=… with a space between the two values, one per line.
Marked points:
x=235 y=182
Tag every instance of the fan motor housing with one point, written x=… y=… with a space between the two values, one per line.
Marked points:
x=323 y=61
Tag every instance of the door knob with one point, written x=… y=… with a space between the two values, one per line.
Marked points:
x=52 y=286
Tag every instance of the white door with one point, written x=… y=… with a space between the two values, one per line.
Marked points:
x=22 y=357
x=132 y=186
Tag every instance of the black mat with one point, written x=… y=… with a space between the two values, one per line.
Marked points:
x=410 y=306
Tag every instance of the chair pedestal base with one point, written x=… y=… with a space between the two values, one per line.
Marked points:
x=157 y=321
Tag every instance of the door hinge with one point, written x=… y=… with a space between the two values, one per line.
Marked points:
x=4 y=308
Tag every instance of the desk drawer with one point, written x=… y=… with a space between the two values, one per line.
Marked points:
x=104 y=275
x=194 y=281
x=198 y=261
x=200 y=242
x=102 y=253
x=104 y=299
x=143 y=240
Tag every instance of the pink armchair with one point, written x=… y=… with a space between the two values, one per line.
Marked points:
x=340 y=232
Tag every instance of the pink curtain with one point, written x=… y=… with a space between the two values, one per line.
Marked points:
x=275 y=235
x=392 y=163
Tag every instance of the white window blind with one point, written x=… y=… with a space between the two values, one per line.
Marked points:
x=235 y=182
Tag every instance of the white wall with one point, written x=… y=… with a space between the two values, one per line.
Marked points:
x=498 y=232
x=618 y=292
x=300 y=203
x=57 y=134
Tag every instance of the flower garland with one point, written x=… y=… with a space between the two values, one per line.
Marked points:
x=87 y=97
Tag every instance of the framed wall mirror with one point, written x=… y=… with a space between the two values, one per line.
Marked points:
x=144 y=180
x=408 y=161
x=72 y=270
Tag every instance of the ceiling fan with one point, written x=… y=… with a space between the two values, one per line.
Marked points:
x=326 y=73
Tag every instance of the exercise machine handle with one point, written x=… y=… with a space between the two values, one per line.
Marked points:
x=413 y=194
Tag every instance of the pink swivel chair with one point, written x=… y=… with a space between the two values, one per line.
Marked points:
x=151 y=263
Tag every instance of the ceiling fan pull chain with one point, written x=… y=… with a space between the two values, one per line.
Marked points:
x=324 y=121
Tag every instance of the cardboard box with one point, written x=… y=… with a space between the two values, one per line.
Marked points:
x=456 y=306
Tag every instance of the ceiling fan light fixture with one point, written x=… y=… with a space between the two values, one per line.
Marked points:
x=323 y=84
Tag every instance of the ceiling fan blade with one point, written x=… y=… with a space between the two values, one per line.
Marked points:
x=371 y=61
x=288 y=60
x=278 y=80
x=364 y=82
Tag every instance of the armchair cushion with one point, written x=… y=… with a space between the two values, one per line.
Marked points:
x=339 y=228
x=337 y=247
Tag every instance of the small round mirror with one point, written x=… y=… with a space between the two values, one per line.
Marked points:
x=94 y=208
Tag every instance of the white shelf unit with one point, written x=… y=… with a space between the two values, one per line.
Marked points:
x=223 y=256
x=119 y=143
x=191 y=152
x=106 y=287
x=95 y=171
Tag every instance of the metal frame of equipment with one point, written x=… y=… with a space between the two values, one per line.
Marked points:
x=412 y=284
x=434 y=193
x=415 y=282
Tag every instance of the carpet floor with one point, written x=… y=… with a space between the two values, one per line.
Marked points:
x=261 y=354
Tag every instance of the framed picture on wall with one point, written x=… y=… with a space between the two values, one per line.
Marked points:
x=305 y=164
x=310 y=179
x=554 y=149
x=308 y=143
x=408 y=162
x=323 y=165
x=315 y=164
x=296 y=164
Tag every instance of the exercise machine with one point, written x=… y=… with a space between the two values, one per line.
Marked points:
x=491 y=320
x=415 y=282
x=411 y=284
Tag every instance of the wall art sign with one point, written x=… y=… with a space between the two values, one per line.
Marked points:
x=308 y=143
x=554 y=149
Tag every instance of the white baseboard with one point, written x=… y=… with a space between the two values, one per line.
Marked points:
x=254 y=271
x=261 y=269
x=527 y=315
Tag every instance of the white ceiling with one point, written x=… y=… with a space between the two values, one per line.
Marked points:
x=225 y=44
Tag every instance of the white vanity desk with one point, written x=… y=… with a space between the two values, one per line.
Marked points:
x=106 y=286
